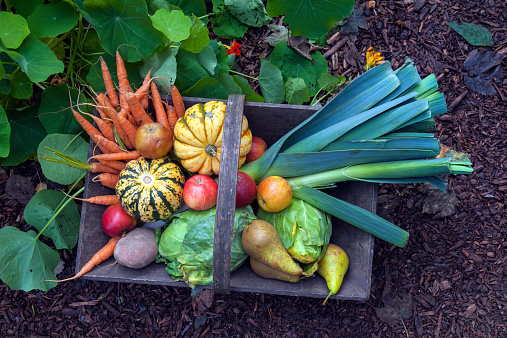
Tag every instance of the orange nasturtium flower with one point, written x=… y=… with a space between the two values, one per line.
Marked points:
x=373 y=59
x=234 y=49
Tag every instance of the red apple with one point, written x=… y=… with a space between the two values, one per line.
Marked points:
x=116 y=221
x=153 y=140
x=200 y=192
x=259 y=147
x=246 y=190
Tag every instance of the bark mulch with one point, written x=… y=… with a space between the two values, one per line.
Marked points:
x=449 y=281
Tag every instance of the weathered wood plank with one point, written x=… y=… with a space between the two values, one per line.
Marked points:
x=226 y=201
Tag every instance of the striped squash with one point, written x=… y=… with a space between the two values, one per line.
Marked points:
x=198 y=138
x=151 y=189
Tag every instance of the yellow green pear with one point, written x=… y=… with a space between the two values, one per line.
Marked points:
x=333 y=266
x=262 y=242
x=266 y=271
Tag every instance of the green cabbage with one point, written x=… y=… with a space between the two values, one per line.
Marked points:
x=304 y=230
x=186 y=244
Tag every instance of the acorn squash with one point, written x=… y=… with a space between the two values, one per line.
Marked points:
x=151 y=189
x=198 y=138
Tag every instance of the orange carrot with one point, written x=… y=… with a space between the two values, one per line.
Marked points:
x=123 y=81
x=116 y=121
x=179 y=105
x=90 y=130
x=99 y=105
x=118 y=165
x=97 y=167
x=137 y=110
x=111 y=146
x=128 y=128
x=102 y=200
x=108 y=81
x=142 y=92
x=104 y=253
x=160 y=113
x=107 y=180
x=127 y=156
x=171 y=115
x=105 y=128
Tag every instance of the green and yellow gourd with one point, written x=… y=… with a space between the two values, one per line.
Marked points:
x=198 y=138
x=151 y=189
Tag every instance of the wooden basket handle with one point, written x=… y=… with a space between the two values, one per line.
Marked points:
x=226 y=200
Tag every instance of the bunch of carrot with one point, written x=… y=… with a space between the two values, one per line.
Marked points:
x=121 y=111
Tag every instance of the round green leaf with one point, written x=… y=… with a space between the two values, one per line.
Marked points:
x=26 y=261
x=26 y=130
x=271 y=82
x=52 y=19
x=163 y=68
x=294 y=65
x=25 y=7
x=54 y=111
x=36 y=59
x=207 y=87
x=5 y=87
x=57 y=172
x=64 y=229
x=296 y=91
x=198 y=39
x=22 y=87
x=225 y=25
x=124 y=25
x=13 y=29
x=190 y=71
x=5 y=134
x=250 y=12
x=310 y=18
x=174 y=24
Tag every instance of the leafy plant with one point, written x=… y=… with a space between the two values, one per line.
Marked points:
x=476 y=35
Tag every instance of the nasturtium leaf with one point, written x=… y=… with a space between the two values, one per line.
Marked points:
x=208 y=60
x=475 y=35
x=295 y=65
x=246 y=89
x=330 y=83
x=52 y=19
x=13 y=29
x=26 y=130
x=64 y=229
x=5 y=134
x=5 y=87
x=14 y=159
x=190 y=71
x=207 y=87
x=2 y=70
x=26 y=262
x=22 y=87
x=310 y=18
x=189 y=7
x=55 y=113
x=69 y=145
x=94 y=76
x=36 y=59
x=173 y=24
x=228 y=83
x=124 y=25
x=225 y=25
x=296 y=91
x=271 y=82
x=25 y=7
x=221 y=56
x=198 y=39
x=156 y=5
x=250 y=12
x=163 y=68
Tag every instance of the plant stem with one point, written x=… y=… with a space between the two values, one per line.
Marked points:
x=58 y=211
x=248 y=76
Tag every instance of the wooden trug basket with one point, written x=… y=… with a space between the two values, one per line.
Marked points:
x=270 y=122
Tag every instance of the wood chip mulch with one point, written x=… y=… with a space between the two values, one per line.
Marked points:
x=449 y=281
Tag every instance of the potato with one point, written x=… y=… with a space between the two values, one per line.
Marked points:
x=137 y=249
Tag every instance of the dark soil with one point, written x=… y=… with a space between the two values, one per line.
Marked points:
x=449 y=281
